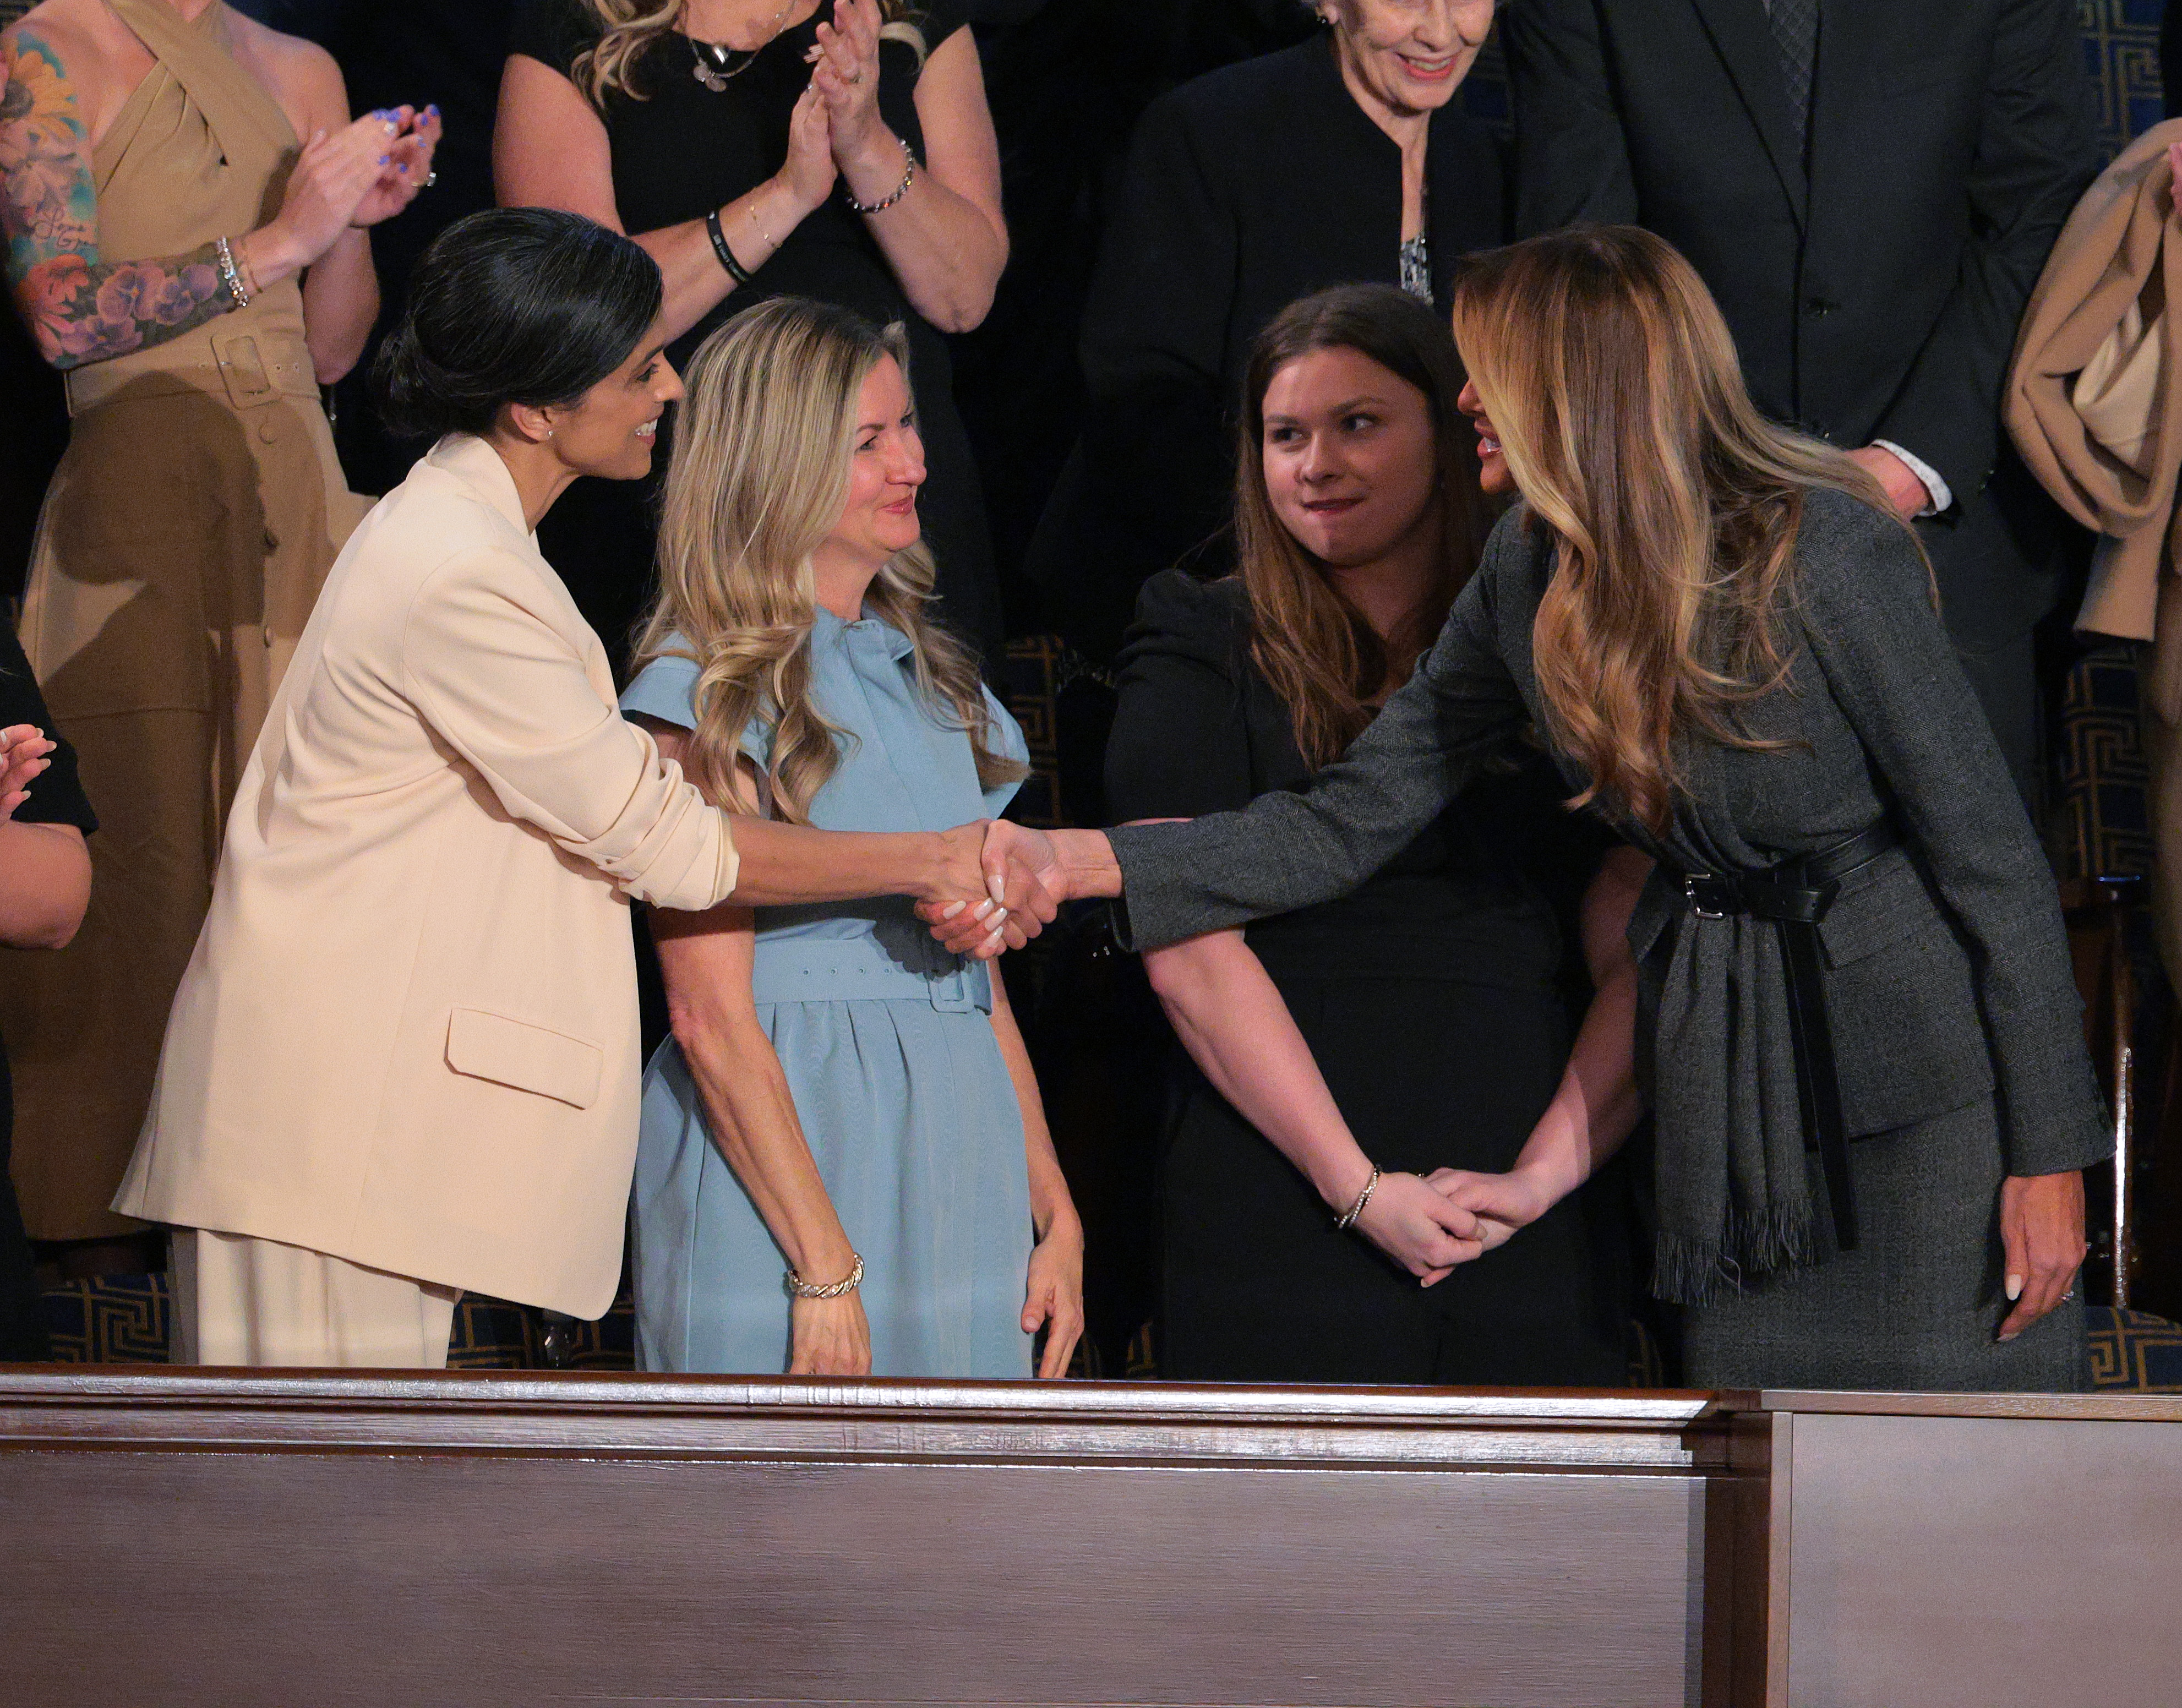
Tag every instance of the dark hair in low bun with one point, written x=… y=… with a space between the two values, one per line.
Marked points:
x=514 y=305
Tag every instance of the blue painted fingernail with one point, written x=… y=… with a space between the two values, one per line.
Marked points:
x=403 y=167
x=384 y=158
x=434 y=109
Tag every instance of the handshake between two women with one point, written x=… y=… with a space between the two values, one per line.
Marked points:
x=1428 y=1224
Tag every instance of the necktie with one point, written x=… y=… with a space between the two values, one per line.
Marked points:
x=1795 y=34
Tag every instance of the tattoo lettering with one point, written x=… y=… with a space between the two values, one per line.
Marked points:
x=80 y=308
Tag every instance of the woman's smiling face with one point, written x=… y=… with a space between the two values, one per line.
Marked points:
x=886 y=470
x=1409 y=55
x=1350 y=455
x=612 y=429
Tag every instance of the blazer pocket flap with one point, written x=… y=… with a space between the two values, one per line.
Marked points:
x=492 y=1046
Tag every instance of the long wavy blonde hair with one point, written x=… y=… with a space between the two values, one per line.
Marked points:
x=1323 y=660
x=758 y=478
x=629 y=28
x=1612 y=381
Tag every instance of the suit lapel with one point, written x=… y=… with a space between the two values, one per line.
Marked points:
x=1744 y=41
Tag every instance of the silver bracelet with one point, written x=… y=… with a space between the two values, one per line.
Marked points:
x=900 y=190
x=230 y=275
x=848 y=1284
x=1363 y=1198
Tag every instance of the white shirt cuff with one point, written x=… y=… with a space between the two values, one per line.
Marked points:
x=1935 y=488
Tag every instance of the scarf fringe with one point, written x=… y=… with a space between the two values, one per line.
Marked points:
x=1698 y=1271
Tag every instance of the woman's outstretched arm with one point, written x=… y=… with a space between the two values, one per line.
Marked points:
x=1289 y=850
x=1598 y=1105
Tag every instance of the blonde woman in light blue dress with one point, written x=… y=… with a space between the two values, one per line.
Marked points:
x=844 y=1167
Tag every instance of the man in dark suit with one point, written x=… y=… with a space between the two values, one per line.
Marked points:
x=1869 y=187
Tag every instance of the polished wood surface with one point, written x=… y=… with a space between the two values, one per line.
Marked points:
x=1956 y=1551
x=202 y=1538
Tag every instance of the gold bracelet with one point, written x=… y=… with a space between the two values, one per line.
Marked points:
x=1363 y=1198
x=848 y=1284
x=764 y=236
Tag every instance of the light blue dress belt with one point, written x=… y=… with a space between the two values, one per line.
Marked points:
x=854 y=969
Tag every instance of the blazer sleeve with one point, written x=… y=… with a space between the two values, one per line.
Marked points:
x=500 y=684
x=1286 y=851
x=2037 y=154
x=1571 y=157
x=1888 y=663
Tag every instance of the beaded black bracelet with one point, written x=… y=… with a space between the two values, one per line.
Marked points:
x=736 y=270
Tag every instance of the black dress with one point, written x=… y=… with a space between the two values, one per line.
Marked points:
x=1245 y=190
x=56 y=798
x=683 y=152
x=1433 y=1000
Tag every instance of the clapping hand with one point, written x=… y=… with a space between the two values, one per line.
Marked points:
x=23 y=756
x=358 y=175
x=809 y=172
x=23 y=751
x=410 y=139
x=845 y=73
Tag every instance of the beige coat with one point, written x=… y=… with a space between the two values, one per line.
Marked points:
x=2092 y=400
x=407 y=1036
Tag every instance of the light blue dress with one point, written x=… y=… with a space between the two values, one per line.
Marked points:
x=887 y=1043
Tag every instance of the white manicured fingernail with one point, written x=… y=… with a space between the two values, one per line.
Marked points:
x=2014 y=1287
x=952 y=909
x=996 y=886
x=981 y=909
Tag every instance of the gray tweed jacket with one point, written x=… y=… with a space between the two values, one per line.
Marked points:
x=1948 y=975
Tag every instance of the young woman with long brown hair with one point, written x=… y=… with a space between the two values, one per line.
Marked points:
x=1340 y=1036
x=1857 y=1025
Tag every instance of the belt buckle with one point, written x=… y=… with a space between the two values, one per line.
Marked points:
x=1700 y=891
x=951 y=995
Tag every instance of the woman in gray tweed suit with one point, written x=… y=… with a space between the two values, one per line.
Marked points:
x=1854 y=1017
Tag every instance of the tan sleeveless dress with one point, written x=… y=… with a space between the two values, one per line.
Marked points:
x=185 y=536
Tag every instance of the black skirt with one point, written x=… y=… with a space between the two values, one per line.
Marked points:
x=1261 y=1286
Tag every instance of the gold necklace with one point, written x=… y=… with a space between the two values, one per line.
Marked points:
x=712 y=68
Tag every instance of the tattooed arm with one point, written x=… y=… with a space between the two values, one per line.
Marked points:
x=81 y=307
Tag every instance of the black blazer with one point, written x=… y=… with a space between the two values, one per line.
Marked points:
x=1245 y=190
x=1877 y=294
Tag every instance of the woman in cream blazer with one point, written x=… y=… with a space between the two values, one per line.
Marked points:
x=404 y=1061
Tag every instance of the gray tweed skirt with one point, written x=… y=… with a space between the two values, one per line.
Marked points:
x=1915 y=1306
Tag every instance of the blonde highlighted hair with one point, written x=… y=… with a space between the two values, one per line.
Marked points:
x=758 y=479
x=628 y=28
x=1613 y=386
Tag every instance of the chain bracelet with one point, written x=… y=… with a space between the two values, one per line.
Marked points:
x=1363 y=1198
x=848 y=1284
x=900 y=190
